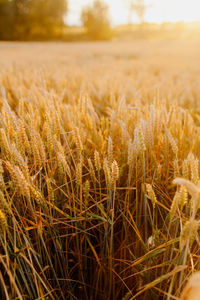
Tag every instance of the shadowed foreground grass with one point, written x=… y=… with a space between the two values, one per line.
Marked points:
x=91 y=138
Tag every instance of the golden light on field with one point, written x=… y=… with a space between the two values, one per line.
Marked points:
x=99 y=170
x=158 y=11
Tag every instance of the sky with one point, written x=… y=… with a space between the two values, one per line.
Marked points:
x=159 y=11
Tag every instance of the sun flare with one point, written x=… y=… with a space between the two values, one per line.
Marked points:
x=158 y=11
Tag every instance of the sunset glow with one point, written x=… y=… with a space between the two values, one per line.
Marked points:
x=159 y=11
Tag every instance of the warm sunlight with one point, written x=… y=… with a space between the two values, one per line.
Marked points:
x=99 y=149
x=159 y=11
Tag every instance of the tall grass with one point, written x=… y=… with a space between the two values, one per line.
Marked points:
x=88 y=205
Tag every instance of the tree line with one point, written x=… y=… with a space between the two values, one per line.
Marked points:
x=44 y=19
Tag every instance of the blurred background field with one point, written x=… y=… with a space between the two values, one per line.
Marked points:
x=166 y=65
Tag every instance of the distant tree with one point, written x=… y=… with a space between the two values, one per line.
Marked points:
x=139 y=8
x=48 y=15
x=96 y=20
x=49 y=10
x=6 y=19
x=27 y=19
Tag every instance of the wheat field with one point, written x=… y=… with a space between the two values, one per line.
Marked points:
x=99 y=169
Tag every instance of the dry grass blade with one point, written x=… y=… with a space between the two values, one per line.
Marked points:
x=158 y=280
